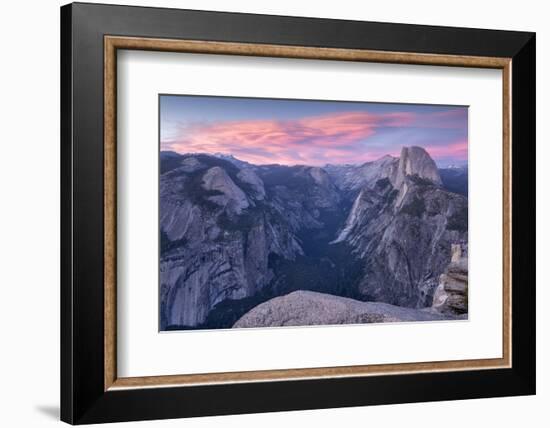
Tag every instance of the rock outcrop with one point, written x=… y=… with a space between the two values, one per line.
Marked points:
x=248 y=176
x=213 y=245
x=224 y=191
x=451 y=295
x=415 y=161
x=403 y=228
x=352 y=178
x=302 y=308
x=222 y=221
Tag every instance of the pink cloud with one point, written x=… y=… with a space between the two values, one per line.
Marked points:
x=457 y=150
x=289 y=141
x=329 y=138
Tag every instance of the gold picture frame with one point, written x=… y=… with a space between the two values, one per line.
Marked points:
x=114 y=43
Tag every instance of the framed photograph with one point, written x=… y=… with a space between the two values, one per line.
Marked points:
x=266 y=213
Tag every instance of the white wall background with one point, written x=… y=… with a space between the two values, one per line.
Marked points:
x=29 y=213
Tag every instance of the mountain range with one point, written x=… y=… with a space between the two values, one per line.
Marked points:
x=234 y=235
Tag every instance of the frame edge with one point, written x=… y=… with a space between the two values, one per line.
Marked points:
x=66 y=316
x=81 y=400
x=113 y=43
x=524 y=215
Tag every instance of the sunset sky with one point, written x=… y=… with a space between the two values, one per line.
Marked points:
x=265 y=131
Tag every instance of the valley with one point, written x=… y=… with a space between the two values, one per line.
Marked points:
x=236 y=235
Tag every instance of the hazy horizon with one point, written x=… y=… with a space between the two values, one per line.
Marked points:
x=306 y=132
x=218 y=154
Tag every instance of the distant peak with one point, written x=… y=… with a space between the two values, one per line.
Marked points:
x=169 y=154
x=414 y=150
x=415 y=160
x=453 y=166
x=224 y=155
x=385 y=160
x=230 y=158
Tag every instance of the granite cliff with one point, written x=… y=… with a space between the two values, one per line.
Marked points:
x=402 y=227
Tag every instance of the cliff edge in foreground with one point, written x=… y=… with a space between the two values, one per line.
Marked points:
x=311 y=308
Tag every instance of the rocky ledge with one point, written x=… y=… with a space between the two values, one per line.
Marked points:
x=302 y=308
x=451 y=295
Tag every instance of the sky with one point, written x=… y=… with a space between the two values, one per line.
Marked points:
x=291 y=132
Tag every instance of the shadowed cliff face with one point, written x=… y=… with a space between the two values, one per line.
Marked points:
x=222 y=225
x=234 y=235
